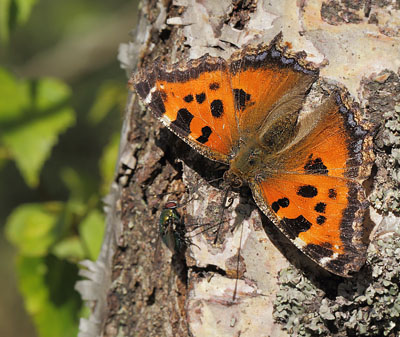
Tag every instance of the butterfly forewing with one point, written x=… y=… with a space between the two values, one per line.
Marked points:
x=261 y=83
x=197 y=105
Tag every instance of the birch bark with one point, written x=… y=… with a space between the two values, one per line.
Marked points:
x=138 y=287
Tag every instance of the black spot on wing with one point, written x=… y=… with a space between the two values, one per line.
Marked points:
x=205 y=134
x=321 y=219
x=283 y=202
x=214 y=86
x=241 y=98
x=315 y=166
x=188 y=98
x=183 y=120
x=332 y=193
x=275 y=206
x=217 y=108
x=320 y=207
x=307 y=191
x=200 y=98
x=295 y=226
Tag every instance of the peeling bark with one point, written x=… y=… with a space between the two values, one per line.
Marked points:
x=228 y=287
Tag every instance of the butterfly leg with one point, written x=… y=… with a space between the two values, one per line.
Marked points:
x=226 y=203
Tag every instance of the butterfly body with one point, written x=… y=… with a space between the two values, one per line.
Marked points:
x=304 y=167
x=255 y=159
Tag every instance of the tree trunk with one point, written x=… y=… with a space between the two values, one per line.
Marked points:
x=224 y=288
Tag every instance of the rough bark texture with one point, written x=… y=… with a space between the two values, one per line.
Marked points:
x=138 y=287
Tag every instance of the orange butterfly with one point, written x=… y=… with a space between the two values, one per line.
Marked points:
x=305 y=168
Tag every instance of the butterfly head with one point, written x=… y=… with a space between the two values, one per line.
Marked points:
x=247 y=162
x=233 y=179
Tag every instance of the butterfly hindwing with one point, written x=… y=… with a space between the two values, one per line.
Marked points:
x=317 y=199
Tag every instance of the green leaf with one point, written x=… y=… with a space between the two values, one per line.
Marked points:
x=108 y=161
x=77 y=203
x=31 y=272
x=14 y=96
x=24 y=9
x=33 y=228
x=70 y=249
x=47 y=288
x=82 y=191
x=30 y=131
x=111 y=94
x=13 y=13
x=91 y=231
x=4 y=19
x=4 y=156
x=80 y=187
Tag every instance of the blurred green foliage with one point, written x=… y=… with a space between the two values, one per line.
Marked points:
x=33 y=114
x=13 y=13
x=58 y=148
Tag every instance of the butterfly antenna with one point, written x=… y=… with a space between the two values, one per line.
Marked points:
x=223 y=208
x=184 y=191
x=187 y=190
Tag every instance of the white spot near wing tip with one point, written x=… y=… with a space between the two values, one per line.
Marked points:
x=147 y=100
x=299 y=243
x=324 y=260
x=327 y=259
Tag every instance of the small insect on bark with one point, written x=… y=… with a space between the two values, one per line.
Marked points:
x=172 y=228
